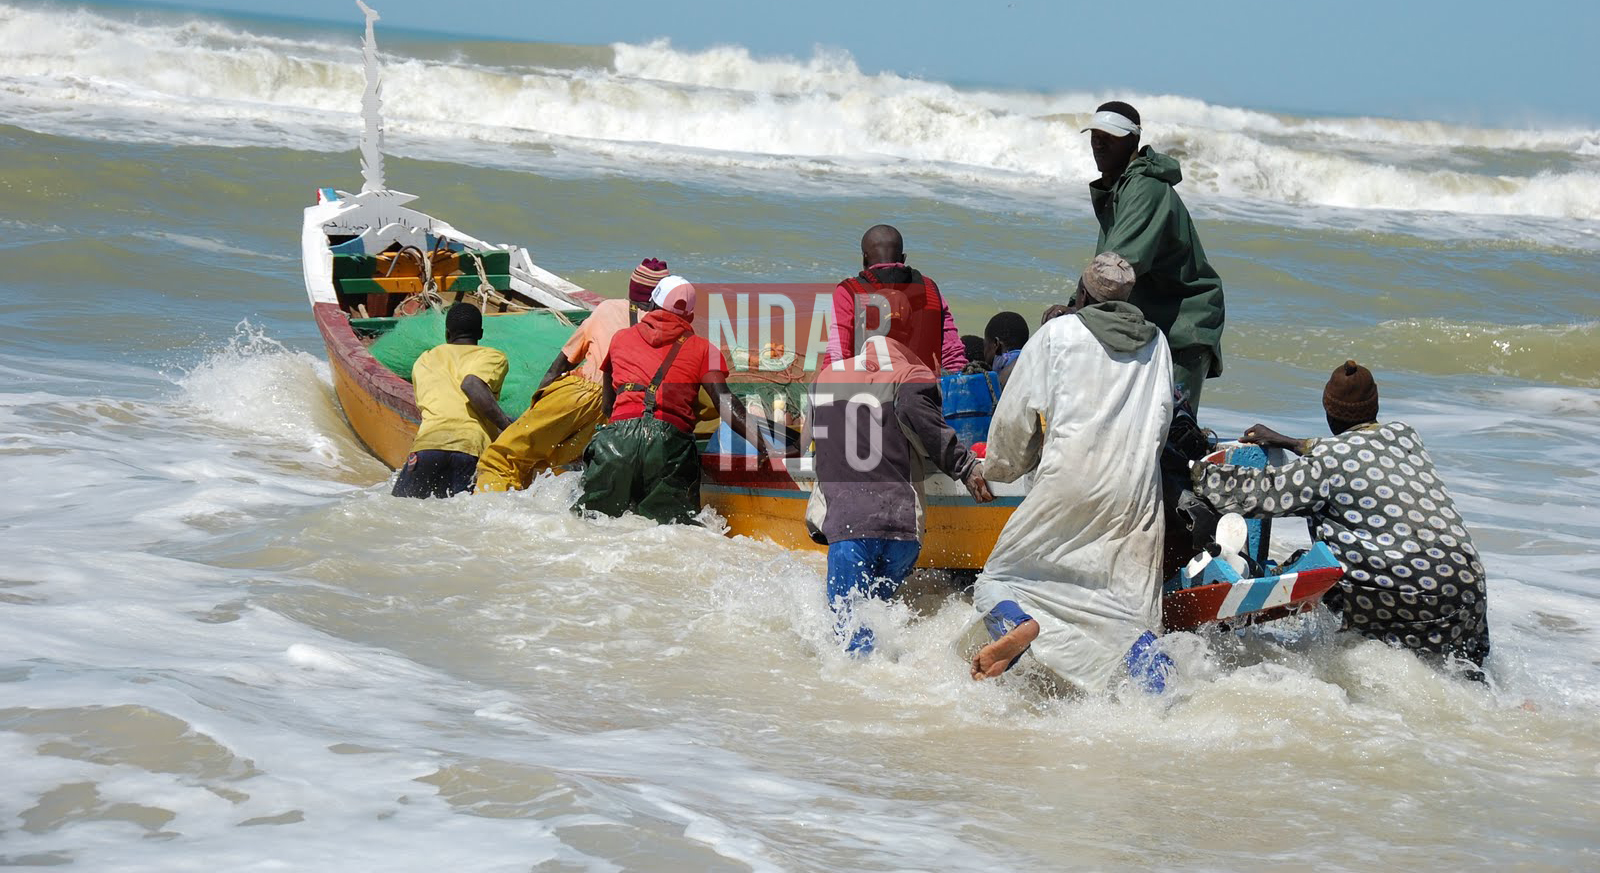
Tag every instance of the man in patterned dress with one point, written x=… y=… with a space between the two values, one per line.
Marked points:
x=1412 y=576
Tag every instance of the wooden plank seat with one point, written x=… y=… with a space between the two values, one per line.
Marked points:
x=405 y=263
x=374 y=285
x=460 y=282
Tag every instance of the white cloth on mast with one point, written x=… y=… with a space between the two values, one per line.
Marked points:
x=1082 y=553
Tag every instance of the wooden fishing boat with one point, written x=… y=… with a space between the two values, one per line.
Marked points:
x=369 y=259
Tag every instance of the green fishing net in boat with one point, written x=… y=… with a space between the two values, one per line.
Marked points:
x=529 y=339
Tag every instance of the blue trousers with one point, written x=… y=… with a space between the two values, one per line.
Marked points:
x=863 y=568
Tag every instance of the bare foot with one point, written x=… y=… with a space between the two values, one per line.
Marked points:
x=993 y=659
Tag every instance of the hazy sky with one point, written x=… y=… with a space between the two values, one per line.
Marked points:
x=1532 y=62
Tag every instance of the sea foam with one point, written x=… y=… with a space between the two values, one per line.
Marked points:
x=657 y=106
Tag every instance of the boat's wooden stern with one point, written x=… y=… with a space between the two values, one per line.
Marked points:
x=354 y=253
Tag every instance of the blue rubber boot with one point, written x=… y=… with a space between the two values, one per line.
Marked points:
x=1147 y=664
x=861 y=643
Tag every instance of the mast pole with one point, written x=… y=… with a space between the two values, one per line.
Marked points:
x=371 y=110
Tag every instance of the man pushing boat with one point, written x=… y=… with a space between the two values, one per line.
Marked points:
x=1371 y=494
x=645 y=460
x=936 y=341
x=458 y=387
x=1076 y=572
x=877 y=424
x=566 y=408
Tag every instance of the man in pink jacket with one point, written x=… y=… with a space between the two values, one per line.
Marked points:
x=883 y=261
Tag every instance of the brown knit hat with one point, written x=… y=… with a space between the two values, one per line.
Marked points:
x=1351 y=395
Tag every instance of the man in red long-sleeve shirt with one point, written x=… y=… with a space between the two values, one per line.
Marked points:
x=936 y=342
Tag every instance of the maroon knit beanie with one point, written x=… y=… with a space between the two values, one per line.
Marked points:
x=1351 y=395
x=645 y=278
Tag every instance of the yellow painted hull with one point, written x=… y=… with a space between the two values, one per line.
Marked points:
x=381 y=408
x=957 y=537
x=386 y=433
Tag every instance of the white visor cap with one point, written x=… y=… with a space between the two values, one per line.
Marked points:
x=1114 y=123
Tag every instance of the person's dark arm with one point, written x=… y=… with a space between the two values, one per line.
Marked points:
x=922 y=413
x=608 y=391
x=484 y=403
x=1267 y=438
x=558 y=368
x=733 y=412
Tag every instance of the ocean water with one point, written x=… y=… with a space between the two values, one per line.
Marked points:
x=223 y=646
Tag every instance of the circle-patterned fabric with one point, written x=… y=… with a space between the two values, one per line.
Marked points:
x=1412 y=575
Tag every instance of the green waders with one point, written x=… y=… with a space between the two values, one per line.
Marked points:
x=643 y=464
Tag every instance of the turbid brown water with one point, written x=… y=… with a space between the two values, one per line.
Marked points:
x=224 y=646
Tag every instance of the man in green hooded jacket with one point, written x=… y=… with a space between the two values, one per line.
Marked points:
x=1143 y=220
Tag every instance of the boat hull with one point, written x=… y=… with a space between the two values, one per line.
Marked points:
x=380 y=406
x=958 y=537
x=762 y=503
x=1249 y=601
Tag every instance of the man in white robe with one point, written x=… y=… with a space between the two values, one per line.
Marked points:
x=1076 y=573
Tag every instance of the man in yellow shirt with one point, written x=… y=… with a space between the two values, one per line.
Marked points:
x=457 y=386
x=565 y=410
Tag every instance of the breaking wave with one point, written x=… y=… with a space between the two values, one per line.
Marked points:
x=196 y=80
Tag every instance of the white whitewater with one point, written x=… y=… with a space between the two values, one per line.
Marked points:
x=224 y=646
x=658 y=109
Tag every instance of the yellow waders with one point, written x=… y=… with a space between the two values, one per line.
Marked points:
x=554 y=431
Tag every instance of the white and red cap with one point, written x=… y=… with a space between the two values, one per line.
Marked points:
x=674 y=294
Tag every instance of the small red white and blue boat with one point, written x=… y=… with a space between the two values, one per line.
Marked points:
x=1218 y=594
